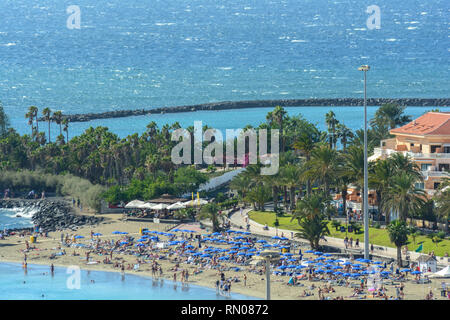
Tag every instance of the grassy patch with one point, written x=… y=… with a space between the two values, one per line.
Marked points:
x=378 y=237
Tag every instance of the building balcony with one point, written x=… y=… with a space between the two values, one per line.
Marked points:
x=381 y=152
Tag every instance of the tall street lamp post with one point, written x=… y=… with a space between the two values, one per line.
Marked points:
x=268 y=257
x=365 y=68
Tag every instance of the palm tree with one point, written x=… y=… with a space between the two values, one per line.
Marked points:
x=442 y=202
x=379 y=179
x=306 y=142
x=398 y=234
x=310 y=206
x=291 y=177
x=259 y=195
x=66 y=128
x=402 y=196
x=323 y=166
x=47 y=115
x=274 y=182
x=242 y=184
x=331 y=121
x=31 y=115
x=58 y=117
x=34 y=110
x=309 y=214
x=277 y=116
x=345 y=134
x=392 y=114
x=211 y=211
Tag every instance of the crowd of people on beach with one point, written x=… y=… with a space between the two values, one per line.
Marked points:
x=226 y=252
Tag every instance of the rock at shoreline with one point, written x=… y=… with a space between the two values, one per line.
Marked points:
x=51 y=215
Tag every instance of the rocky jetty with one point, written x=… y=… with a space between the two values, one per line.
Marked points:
x=225 y=105
x=51 y=215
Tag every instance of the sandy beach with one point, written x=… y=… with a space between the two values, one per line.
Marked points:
x=11 y=250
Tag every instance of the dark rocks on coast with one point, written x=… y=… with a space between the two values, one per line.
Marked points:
x=226 y=105
x=52 y=215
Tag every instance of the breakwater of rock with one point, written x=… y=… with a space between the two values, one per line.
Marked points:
x=226 y=105
x=51 y=215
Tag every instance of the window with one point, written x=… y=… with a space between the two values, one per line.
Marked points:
x=425 y=166
x=446 y=149
x=420 y=185
x=436 y=185
x=433 y=148
x=444 y=167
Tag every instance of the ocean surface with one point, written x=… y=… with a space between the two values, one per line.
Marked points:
x=15 y=218
x=38 y=284
x=135 y=54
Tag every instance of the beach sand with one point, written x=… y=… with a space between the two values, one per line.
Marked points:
x=11 y=251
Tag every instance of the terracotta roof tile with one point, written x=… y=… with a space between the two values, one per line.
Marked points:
x=431 y=123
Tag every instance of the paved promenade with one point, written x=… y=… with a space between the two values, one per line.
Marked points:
x=238 y=220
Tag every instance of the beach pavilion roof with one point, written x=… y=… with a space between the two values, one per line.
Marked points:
x=430 y=124
x=135 y=204
x=167 y=199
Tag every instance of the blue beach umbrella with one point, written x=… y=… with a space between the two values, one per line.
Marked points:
x=241 y=254
x=338 y=273
x=320 y=264
x=309 y=251
x=282 y=267
x=283 y=238
x=416 y=272
x=318 y=253
x=139 y=245
x=300 y=267
x=79 y=237
x=124 y=232
x=405 y=270
x=261 y=241
x=276 y=237
x=97 y=234
x=319 y=271
x=116 y=232
x=327 y=255
x=124 y=242
x=232 y=251
x=224 y=258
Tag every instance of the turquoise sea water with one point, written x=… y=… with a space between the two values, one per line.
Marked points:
x=134 y=54
x=8 y=219
x=38 y=284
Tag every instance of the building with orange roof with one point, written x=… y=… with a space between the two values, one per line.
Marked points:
x=427 y=140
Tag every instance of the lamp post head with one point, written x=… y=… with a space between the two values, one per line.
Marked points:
x=364 y=68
